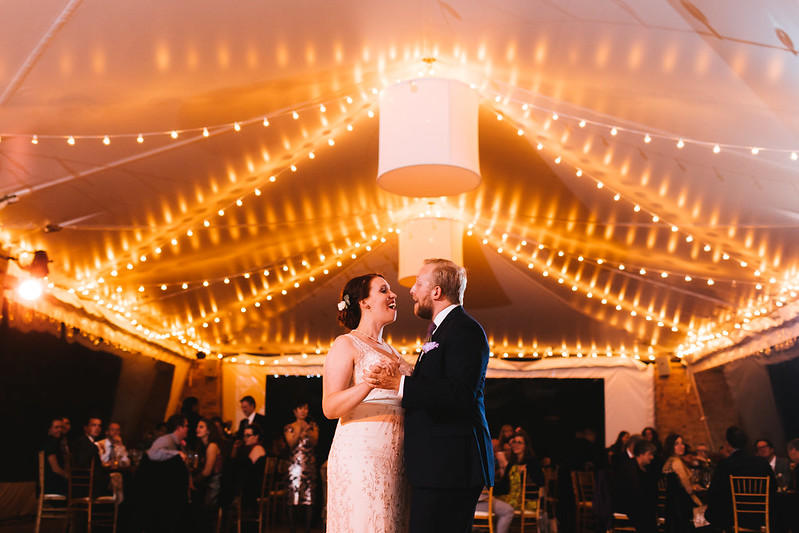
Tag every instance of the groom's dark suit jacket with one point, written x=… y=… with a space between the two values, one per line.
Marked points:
x=447 y=443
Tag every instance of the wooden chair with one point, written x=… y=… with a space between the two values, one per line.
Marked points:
x=530 y=504
x=278 y=494
x=484 y=520
x=101 y=511
x=750 y=502
x=583 y=488
x=621 y=522
x=264 y=500
x=551 y=491
x=661 y=505
x=49 y=505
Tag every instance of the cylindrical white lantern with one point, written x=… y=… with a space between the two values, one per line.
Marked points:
x=427 y=238
x=428 y=138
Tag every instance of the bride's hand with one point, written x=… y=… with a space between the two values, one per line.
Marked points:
x=371 y=376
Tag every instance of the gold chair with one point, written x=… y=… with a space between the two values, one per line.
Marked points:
x=100 y=510
x=583 y=487
x=750 y=501
x=264 y=500
x=485 y=519
x=49 y=505
x=551 y=490
x=661 y=505
x=278 y=494
x=621 y=522
x=530 y=504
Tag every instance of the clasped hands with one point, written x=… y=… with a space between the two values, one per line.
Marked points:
x=384 y=374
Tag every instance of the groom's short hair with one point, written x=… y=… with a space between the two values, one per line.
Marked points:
x=451 y=277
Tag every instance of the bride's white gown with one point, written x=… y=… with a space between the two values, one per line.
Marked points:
x=367 y=491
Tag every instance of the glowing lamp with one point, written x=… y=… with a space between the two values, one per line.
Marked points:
x=427 y=238
x=428 y=138
x=30 y=289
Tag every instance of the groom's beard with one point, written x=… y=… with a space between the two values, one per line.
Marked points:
x=423 y=309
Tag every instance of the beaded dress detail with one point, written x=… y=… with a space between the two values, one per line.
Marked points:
x=366 y=485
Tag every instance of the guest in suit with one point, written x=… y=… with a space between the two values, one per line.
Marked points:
x=637 y=487
x=738 y=463
x=250 y=416
x=448 y=453
x=780 y=465
x=84 y=452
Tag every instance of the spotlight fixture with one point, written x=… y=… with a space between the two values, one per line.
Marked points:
x=200 y=355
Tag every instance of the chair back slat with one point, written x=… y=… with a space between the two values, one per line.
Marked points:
x=750 y=502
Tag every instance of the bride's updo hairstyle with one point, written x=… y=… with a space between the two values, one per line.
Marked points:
x=349 y=309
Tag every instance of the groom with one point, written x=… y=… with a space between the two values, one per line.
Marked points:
x=448 y=454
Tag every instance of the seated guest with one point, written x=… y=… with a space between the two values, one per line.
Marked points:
x=65 y=435
x=250 y=463
x=793 y=455
x=522 y=458
x=161 y=503
x=505 y=434
x=55 y=474
x=191 y=410
x=171 y=444
x=738 y=463
x=617 y=450
x=84 y=453
x=502 y=510
x=207 y=478
x=112 y=451
x=680 y=497
x=637 y=488
x=779 y=465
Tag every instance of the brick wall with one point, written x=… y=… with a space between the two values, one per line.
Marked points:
x=205 y=382
x=677 y=408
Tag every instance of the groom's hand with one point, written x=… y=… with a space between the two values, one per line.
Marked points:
x=381 y=376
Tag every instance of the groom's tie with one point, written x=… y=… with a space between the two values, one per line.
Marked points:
x=430 y=329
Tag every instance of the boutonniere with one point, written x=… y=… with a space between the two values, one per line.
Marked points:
x=431 y=345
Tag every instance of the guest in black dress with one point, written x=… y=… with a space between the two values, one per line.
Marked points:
x=55 y=474
x=680 y=497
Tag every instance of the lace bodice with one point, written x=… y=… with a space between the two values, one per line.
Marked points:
x=367 y=356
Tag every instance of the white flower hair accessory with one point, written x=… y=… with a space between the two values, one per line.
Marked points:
x=344 y=303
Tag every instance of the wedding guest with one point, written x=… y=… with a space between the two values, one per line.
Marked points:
x=85 y=452
x=112 y=450
x=793 y=455
x=191 y=410
x=739 y=462
x=637 y=489
x=65 y=435
x=250 y=462
x=172 y=443
x=251 y=416
x=55 y=474
x=301 y=436
x=780 y=465
x=680 y=497
x=617 y=451
x=208 y=476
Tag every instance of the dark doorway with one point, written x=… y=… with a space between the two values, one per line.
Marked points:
x=551 y=410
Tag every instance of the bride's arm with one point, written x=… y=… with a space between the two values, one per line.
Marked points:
x=338 y=397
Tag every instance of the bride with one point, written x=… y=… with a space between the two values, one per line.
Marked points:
x=367 y=488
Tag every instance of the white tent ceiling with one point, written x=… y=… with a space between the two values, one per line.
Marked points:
x=598 y=124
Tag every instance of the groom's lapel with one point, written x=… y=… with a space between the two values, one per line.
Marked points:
x=439 y=335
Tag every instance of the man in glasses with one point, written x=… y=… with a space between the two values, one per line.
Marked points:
x=168 y=446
